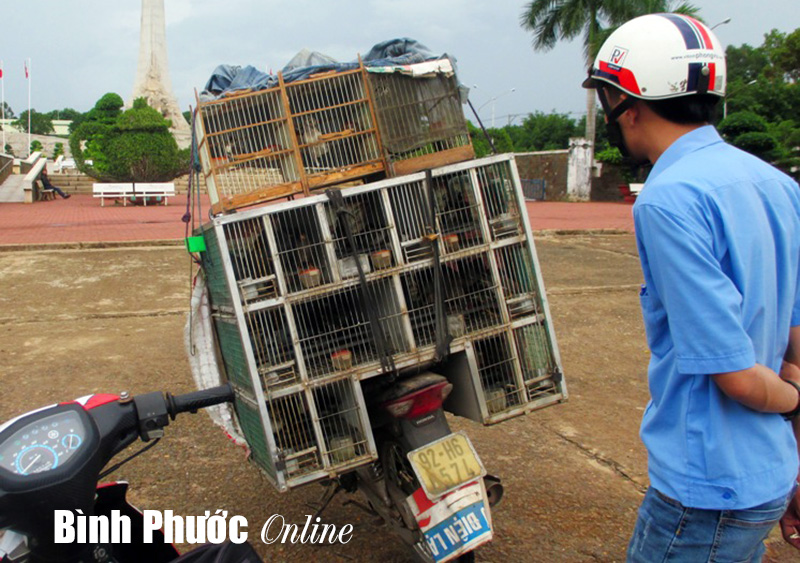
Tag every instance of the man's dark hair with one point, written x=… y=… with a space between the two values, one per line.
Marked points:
x=699 y=108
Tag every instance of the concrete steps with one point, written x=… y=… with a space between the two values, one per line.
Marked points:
x=81 y=184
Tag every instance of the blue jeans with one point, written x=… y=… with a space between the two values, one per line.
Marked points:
x=668 y=531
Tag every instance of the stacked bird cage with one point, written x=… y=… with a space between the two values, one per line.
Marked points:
x=420 y=116
x=311 y=298
x=309 y=134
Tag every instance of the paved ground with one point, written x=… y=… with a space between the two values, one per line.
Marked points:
x=79 y=321
x=83 y=320
x=81 y=219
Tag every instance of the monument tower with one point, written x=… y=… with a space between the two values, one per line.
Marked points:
x=152 y=74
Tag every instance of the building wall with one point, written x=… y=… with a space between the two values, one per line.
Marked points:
x=550 y=166
x=60 y=126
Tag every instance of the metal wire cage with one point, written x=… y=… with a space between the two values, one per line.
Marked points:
x=500 y=203
x=421 y=121
x=518 y=281
x=497 y=361
x=335 y=332
x=471 y=300
x=247 y=148
x=541 y=376
x=335 y=128
x=299 y=330
x=366 y=216
x=301 y=249
x=273 y=348
x=251 y=260
x=342 y=423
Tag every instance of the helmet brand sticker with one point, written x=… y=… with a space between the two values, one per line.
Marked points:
x=617 y=58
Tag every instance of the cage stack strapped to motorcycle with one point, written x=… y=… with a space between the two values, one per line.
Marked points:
x=426 y=264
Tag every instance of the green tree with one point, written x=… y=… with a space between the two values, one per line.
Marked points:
x=552 y=20
x=36 y=145
x=58 y=150
x=763 y=99
x=9 y=149
x=135 y=145
x=545 y=131
x=41 y=124
x=9 y=113
x=66 y=114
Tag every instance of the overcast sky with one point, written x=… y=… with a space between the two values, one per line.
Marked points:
x=84 y=48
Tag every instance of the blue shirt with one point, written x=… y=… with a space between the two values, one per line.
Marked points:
x=718 y=232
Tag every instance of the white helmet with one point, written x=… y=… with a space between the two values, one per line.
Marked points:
x=661 y=56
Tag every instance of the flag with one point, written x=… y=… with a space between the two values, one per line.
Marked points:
x=26 y=69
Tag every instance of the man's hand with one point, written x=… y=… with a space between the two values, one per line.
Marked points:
x=790 y=371
x=790 y=523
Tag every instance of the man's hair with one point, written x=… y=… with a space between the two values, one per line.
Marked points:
x=685 y=110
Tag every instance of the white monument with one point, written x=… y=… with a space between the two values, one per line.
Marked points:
x=152 y=74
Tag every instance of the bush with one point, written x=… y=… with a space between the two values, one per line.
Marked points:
x=58 y=150
x=131 y=146
x=609 y=155
x=742 y=122
x=36 y=145
x=762 y=145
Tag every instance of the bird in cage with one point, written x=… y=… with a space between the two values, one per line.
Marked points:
x=310 y=134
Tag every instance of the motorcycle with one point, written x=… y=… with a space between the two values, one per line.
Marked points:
x=428 y=485
x=51 y=459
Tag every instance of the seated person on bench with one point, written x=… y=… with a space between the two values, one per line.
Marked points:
x=49 y=185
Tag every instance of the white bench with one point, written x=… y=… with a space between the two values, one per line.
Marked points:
x=159 y=189
x=112 y=190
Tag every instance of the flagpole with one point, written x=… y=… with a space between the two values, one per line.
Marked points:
x=3 y=106
x=28 y=76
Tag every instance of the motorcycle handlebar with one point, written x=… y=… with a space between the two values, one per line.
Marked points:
x=191 y=402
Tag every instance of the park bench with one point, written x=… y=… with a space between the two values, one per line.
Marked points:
x=158 y=189
x=142 y=190
x=113 y=191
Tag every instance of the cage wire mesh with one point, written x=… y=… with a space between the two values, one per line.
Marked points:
x=499 y=200
x=418 y=116
x=457 y=211
x=249 y=143
x=341 y=421
x=214 y=269
x=539 y=371
x=333 y=122
x=496 y=369
x=301 y=248
x=253 y=430
x=369 y=228
x=294 y=434
x=410 y=208
x=335 y=333
x=273 y=348
x=517 y=278
x=233 y=356
x=470 y=293
x=251 y=260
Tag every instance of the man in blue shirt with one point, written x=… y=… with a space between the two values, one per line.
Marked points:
x=718 y=233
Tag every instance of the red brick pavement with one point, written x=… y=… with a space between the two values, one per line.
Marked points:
x=81 y=219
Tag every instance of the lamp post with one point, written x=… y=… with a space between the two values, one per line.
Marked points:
x=492 y=101
x=723 y=22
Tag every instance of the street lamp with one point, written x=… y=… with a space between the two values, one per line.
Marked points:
x=725 y=99
x=723 y=22
x=492 y=101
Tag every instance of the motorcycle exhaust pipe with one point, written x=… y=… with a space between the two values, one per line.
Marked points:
x=494 y=489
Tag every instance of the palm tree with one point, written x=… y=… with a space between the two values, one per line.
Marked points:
x=551 y=20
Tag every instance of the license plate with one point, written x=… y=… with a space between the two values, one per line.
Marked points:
x=446 y=464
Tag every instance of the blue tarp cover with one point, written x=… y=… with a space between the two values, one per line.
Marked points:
x=394 y=52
